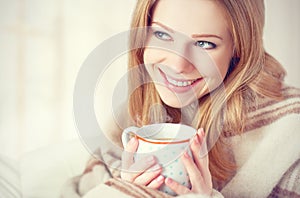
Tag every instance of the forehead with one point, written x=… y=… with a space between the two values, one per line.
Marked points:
x=191 y=16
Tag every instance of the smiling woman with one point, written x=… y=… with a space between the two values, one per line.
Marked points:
x=202 y=63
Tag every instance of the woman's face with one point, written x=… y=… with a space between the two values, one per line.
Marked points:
x=188 y=50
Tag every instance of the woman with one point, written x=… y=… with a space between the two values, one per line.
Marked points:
x=235 y=91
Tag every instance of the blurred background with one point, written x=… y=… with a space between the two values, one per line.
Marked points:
x=43 y=44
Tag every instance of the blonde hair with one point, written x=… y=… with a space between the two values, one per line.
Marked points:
x=253 y=72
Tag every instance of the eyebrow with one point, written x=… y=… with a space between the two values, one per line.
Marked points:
x=163 y=26
x=206 y=35
x=193 y=35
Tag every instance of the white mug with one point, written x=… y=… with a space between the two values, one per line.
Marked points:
x=167 y=142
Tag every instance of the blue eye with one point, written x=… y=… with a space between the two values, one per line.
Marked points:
x=162 y=36
x=205 y=44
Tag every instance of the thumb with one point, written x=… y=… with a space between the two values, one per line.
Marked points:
x=127 y=156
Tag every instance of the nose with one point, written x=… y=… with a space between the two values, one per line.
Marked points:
x=180 y=64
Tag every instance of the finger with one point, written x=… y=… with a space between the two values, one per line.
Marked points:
x=198 y=147
x=138 y=168
x=127 y=156
x=143 y=164
x=202 y=140
x=198 y=181
x=157 y=182
x=132 y=145
x=149 y=175
x=176 y=187
x=197 y=150
x=194 y=173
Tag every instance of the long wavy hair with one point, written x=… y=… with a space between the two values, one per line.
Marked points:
x=252 y=72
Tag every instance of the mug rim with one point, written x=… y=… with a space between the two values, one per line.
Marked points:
x=161 y=141
x=165 y=141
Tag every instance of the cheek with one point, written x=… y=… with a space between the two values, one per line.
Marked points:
x=148 y=60
x=147 y=56
x=152 y=56
x=217 y=66
x=222 y=65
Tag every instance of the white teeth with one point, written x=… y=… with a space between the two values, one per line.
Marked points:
x=180 y=83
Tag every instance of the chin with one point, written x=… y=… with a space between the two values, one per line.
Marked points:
x=173 y=103
x=173 y=100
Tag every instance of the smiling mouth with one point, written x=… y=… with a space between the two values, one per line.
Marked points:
x=180 y=83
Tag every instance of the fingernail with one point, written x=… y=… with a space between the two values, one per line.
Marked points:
x=160 y=178
x=186 y=155
x=169 y=181
x=201 y=131
x=196 y=140
x=156 y=167
x=150 y=159
x=132 y=140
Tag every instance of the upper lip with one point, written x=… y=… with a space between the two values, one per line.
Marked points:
x=178 y=79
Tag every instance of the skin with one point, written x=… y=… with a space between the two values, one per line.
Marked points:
x=197 y=31
x=200 y=37
x=148 y=172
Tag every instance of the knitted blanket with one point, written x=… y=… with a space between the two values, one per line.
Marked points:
x=267 y=155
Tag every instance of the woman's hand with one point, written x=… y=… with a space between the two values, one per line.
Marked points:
x=144 y=171
x=197 y=169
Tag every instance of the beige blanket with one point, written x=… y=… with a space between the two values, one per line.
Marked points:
x=267 y=156
x=272 y=170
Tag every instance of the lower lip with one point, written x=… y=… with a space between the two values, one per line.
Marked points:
x=179 y=89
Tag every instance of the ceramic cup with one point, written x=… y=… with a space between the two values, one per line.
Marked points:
x=167 y=142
